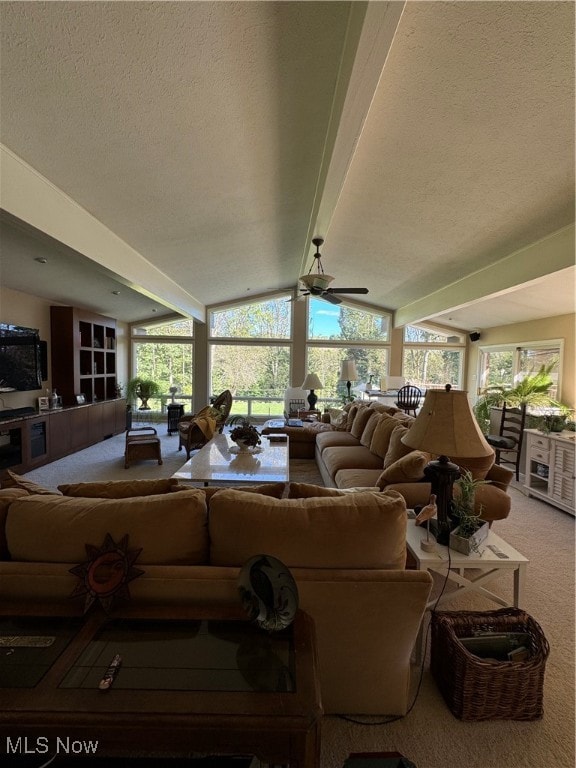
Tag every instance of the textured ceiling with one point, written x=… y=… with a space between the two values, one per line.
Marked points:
x=216 y=138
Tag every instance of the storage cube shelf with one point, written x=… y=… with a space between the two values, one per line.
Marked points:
x=83 y=355
x=549 y=473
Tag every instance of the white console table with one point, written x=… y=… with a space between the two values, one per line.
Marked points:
x=550 y=467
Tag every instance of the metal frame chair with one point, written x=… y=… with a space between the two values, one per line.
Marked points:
x=509 y=439
x=409 y=398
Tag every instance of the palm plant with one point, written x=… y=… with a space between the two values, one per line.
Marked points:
x=531 y=391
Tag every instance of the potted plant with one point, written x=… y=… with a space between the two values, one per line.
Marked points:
x=245 y=435
x=471 y=529
x=532 y=391
x=144 y=389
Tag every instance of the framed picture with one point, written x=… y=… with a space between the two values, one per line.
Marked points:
x=80 y=399
x=43 y=403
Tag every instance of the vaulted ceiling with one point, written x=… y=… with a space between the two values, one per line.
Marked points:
x=185 y=153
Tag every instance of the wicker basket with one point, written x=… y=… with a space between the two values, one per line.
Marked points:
x=484 y=689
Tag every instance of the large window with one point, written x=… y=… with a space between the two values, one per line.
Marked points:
x=505 y=366
x=346 y=332
x=164 y=352
x=250 y=354
x=432 y=358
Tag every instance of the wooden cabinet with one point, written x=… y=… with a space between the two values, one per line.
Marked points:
x=37 y=441
x=550 y=468
x=60 y=434
x=83 y=352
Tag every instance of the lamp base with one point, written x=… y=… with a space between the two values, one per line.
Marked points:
x=312 y=400
x=428 y=546
x=442 y=474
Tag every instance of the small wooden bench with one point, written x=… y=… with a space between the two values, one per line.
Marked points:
x=142 y=443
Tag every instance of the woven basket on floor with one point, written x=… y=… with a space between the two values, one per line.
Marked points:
x=484 y=689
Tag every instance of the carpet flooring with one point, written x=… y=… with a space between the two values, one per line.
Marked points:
x=430 y=736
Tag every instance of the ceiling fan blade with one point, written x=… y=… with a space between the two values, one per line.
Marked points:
x=329 y=297
x=346 y=290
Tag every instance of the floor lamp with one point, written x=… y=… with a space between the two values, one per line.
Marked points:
x=348 y=373
x=445 y=426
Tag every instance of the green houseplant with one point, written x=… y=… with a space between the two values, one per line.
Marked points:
x=144 y=389
x=471 y=529
x=533 y=391
x=245 y=435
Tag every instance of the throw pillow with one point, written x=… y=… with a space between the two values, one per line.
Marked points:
x=396 y=448
x=351 y=416
x=381 y=437
x=17 y=481
x=276 y=490
x=338 y=418
x=119 y=489
x=307 y=491
x=360 y=420
x=366 y=436
x=408 y=469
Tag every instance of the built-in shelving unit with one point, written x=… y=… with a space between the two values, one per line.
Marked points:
x=550 y=468
x=83 y=350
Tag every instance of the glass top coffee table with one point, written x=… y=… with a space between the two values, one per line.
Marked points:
x=219 y=462
x=190 y=679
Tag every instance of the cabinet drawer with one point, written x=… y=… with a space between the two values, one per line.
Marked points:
x=539 y=455
x=541 y=442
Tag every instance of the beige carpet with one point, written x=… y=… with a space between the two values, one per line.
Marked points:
x=430 y=735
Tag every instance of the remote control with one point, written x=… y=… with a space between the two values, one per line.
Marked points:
x=498 y=552
x=110 y=673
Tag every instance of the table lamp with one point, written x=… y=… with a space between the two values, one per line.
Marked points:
x=312 y=382
x=348 y=373
x=445 y=426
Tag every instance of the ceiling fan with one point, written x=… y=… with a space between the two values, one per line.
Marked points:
x=316 y=283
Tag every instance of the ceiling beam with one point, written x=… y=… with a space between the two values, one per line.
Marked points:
x=371 y=30
x=30 y=197
x=526 y=265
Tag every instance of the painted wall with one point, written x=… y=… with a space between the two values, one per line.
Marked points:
x=25 y=309
x=561 y=327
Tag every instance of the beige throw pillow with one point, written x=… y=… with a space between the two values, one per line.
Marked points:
x=17 y=481
x=408 y=469
x=381 y=437
x=366 y=436
x=396 y=448
x=360 y=420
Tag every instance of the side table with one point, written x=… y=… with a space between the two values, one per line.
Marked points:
x=175 y=413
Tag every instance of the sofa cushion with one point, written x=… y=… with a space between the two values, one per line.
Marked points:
x=17 y=481
x=367 y=434
x=119 y=489
x=170 y=528
x=329 y=439
x=396 y=448
x=360 y=420
x=355 y=530
x=266 y=489
x=7 y=496
x=479 y=467
x=381 y=437
x=352 y=411
x=307 y=490
x=357 y=478
x=349 y=457
x=408 y=469
x=338 y=418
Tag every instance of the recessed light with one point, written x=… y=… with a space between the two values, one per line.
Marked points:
x=116 y=293
x=154 y=310
x=41 y=260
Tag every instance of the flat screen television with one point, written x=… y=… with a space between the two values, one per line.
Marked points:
x=20 y=358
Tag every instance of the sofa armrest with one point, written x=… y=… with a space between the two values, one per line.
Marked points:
x=500 y=476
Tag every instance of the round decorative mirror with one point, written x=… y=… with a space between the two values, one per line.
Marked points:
x=268 y=592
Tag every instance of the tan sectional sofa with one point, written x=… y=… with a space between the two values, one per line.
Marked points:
x=365 y=449
x=346 y=552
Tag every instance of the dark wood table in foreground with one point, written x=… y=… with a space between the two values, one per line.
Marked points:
x=273 y=709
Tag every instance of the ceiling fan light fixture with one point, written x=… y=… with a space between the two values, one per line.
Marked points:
x=316 y=281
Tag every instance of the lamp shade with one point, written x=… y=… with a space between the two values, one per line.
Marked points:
x=312 y=382
x=348 y=371
x=446 y=426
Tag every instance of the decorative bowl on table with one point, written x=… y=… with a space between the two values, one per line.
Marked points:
x=245 y=436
